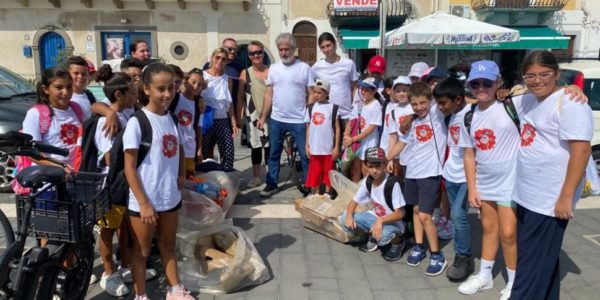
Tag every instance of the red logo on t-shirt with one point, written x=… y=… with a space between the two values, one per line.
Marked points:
x=69 y=133
x=362 y=123
x=184 y=117
x=170 y=145
x=423 y=132
x=318 y=118
x=454 y=133
x=387 y=120
x=527 y=135
x=485 y=139
x=378 y=209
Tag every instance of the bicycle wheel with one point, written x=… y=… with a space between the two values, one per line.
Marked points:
x=7 y=235
x=295 y=165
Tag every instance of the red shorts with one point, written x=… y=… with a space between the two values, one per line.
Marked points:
x=318 y=170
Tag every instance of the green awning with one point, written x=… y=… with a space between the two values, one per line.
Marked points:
x=532 y=37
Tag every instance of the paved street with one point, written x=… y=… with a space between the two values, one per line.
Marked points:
x=306 y=265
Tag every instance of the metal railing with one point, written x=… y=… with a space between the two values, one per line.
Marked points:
x=518 y=4
x=396 y=8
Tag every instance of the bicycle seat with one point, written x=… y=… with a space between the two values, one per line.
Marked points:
x=37 y=175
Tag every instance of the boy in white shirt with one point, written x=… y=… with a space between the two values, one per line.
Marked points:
x=78 y=69
x=383 y=223
x=422 y=186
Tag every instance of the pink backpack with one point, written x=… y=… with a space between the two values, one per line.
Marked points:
x=45 y=120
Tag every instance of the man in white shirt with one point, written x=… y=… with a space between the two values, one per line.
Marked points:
x=285 y=100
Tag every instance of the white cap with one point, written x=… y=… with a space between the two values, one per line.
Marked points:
x=418 y=69
x=402 y=80
x=324 y=84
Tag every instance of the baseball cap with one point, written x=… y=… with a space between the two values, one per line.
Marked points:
x=439 y=72
x=369 y=83
x=375 y=154
x=376 y=64
x=324 y=84
x=425 y=73
x=418 y=69
x=402 y=80
x=486 y=69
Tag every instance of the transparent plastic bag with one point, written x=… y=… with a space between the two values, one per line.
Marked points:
x=198 y=211
x=345 y=188
x=219 y=186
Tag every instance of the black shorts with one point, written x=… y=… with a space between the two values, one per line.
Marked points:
x=137 y=213
x=423 y=192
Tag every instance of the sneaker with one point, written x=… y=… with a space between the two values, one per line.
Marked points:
x=417 y=254
x=506 y=292
x=437 y=264
x=93 y=279
x=394 y=252
x=462 y=267
x=369 y=246
x=144 y=297
x=179 y=294
x=126 y=274
x=268 y=191
x=440 y=223
x=114 y=285
x=446 y=232
x=474 y=284
x=327 y=195
x=254 y=182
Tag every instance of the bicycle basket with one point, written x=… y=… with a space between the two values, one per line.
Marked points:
x=71 y=218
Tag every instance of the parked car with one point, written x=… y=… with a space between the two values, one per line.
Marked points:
x=17 y=95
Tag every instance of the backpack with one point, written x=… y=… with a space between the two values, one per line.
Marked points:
x=90 y=96
x=509 y=106
x=45 y=121
x=118 y=187
x=388 y=189
x=334 y=114
x=89 y=151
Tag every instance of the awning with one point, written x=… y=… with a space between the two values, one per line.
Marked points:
x=532 y=37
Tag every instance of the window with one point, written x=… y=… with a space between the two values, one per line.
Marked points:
x=115 y=45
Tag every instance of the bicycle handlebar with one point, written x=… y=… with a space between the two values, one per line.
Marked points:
x=17 y=143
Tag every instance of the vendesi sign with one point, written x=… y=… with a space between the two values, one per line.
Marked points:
x=355 y=5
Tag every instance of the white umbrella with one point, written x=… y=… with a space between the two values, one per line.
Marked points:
x=445 y=29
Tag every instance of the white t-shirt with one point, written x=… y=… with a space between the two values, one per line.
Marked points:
x=495 y=139
x=321 y=132
x=102 y=142
x=454 y=168
x=428 y=137
x=185 y=112
x=289 y=91
x=217 y=95
x=357 y=98
x=370 y=114
x=401 y=112
x=377 y=198
x=340 y=76
x=84 y=103
x=543 y=157
x=388 y=125
x=159 y=171
x=128 y=112
x=64 y=132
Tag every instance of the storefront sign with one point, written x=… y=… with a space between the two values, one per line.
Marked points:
x=399 y=61
x=465 y=57
x=355 y=5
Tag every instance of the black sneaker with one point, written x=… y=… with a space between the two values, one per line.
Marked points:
x=369 y=246
x=268 y=191
x=462 y=267
x=394 y=252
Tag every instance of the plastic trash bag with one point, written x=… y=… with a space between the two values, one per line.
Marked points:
x=219 y=186
x=220 y=259
x=592 y=181
x=345 y=188
x=198 y=211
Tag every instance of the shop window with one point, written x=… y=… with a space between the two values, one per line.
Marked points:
x=306 y=36
x=115 y=44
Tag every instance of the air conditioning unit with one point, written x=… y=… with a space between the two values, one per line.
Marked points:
x=461 y=10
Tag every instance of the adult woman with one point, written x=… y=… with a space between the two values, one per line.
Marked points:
x=555 y=142
x=250 y=105
x=217 y=97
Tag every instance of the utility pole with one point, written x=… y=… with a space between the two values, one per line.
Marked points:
x=382 y=25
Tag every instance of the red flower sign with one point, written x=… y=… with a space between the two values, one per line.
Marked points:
x=454 y=133
x=170 y=145
x=527 y=135
x=423 y=132
x=387 y=120
x=318 y=118
x=69 y=133
x=378 y=209
x=485 y=139
x=184 y=117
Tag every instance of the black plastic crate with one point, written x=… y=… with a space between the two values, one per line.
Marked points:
x=71 y=219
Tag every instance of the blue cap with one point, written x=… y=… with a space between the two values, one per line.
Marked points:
x=439 y=72
x=369 y=83
x=485 y=69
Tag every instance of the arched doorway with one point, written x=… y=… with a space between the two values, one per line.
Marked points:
x=306 y=36
x=51 y=44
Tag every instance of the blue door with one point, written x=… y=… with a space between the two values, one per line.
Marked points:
x=51 y=44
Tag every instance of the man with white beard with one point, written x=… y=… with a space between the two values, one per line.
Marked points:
x=286 y=98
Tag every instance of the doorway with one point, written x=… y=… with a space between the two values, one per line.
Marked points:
x=51 y=45
x=306 y=36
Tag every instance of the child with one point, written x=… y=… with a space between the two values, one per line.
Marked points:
x=367 y=118
x=187 y=111
x=402 y=109
x=390 y=105
x=428 y=137
x=78 y=69
x=322 y=136
x=383 y=223
x=450 y=97
x=154 y=203
x=122 y=94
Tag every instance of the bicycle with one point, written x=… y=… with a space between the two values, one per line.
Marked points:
x=294 y=162
x=7 y=236
x=62 y=209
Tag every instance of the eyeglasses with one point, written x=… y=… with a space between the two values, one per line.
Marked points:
x=219 y=58
x=231 y=49
x=477 y=84
x=544 y=77
x=255 y=53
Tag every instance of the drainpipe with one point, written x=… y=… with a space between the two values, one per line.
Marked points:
x=382 y=26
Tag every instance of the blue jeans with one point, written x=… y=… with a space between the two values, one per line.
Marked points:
x=277 y=131
x=365 y=220
x=457 y=195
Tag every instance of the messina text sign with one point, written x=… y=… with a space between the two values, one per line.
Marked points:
x=355 y=5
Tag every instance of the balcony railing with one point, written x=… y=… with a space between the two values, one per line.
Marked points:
x=499 y=5
x=397 y=12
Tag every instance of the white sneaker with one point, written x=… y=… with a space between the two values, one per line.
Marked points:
x=254 y=182
x=126 y=274
x=93 y=279
x=114 y=285
x=506 y=292
x=474 y=284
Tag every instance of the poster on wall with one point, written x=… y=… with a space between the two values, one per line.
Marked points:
x=400 y=61
x=465 y=57
x=114 y=48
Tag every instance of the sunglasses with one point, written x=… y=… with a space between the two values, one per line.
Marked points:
x=486 y=84
x=219 y=58
x=255 y=53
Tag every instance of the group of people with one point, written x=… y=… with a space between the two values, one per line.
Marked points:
x=407 y=139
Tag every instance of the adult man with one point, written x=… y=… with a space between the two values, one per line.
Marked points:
x=288 y=88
